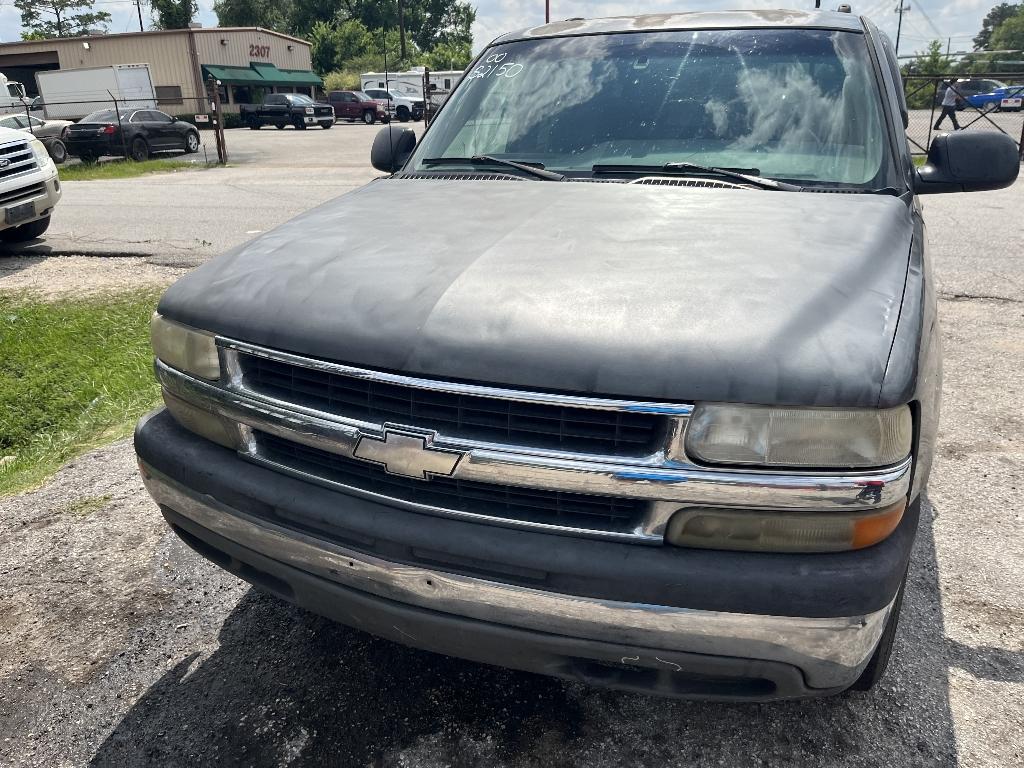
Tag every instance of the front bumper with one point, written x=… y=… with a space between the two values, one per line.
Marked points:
x=45 y=195
x=729 y=627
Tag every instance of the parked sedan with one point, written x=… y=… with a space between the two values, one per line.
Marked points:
x=51 y=132
x=138 y=134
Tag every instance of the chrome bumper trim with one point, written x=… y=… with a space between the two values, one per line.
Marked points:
x=831 y=652
x=667 y=484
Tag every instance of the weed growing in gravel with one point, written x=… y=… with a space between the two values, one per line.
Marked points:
x=73 y=374
x=87 y=505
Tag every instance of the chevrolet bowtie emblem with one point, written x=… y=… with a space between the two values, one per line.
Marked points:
x=407 y=454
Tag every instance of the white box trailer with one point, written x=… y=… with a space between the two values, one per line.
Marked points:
x=71 y=94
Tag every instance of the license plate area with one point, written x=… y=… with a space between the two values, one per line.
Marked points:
x=310 y=119
x=19 y=213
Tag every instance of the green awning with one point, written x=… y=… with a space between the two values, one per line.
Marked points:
x=259 y=73
x=233 y=75
x=274 y=76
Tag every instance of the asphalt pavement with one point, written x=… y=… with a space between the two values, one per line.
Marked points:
x=190 y=216
x=121 y=647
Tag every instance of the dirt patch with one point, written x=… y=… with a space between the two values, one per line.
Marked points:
x=76 y=572
x=56 y=277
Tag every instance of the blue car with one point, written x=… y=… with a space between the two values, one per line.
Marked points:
x=1005 y=97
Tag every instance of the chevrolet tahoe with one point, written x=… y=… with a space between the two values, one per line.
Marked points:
x=657 y=411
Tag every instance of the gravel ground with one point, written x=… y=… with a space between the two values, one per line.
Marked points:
x=54 y=277
x=120 y=647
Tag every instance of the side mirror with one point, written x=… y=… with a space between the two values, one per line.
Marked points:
x=391 y=148
x=968 y=162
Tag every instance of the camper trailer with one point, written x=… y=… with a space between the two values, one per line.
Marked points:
x=410 y=82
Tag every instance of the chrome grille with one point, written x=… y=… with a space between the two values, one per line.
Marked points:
x=525 y=505
x=531 y=425
x=16 y=158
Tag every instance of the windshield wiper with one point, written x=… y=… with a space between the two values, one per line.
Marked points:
x=746 y=175
x=533 y=170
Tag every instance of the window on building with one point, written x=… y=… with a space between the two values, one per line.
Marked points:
x=447 y=84
x=168 y=94
x=242 y=94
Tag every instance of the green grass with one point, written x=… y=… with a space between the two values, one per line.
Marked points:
x=86 y=505
x=73 y=374
x=920 y=160
x=122 y=169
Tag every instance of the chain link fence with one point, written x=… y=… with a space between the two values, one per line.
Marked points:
x=134 y=128
x=984 y=103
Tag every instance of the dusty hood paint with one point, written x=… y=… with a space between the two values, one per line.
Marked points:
x=627 y=290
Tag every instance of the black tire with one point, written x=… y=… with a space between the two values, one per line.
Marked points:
x=327 y=126
x=254 y=125
x=279 y=126
x=58 y=152
x=403 y=114
x=191 y=142
x=139 y=150
x=88 y=158
x=299 y=124
x=369 y=117
x=875 y=669
x=29 y=231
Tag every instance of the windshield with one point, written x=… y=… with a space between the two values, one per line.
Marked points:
x=790 y=104
x=103 y=116
x=298 y=98
x=360 y=96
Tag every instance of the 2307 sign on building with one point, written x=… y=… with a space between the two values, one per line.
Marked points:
x=259 y=51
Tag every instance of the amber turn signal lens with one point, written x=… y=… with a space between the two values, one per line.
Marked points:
x=774 y=531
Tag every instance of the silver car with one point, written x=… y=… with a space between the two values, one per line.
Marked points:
x=51 y=132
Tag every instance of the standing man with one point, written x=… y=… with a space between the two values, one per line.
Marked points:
x=949 y=101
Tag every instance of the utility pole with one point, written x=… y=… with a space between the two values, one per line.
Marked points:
x=138 y=7
x=899 y=28
x=401 y=25
x=547 y=11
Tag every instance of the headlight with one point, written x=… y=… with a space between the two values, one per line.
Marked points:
x=768 y=531
x=198 y=420
x=185 y=348
x=310 y=110
x=799 y=437
x=40 y=149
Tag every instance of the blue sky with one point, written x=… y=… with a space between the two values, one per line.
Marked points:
x=928 y=19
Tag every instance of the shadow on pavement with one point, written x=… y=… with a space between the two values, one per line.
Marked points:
x=286 y=687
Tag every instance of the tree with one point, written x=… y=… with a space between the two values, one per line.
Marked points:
x=1009 y=36
x=931 y=62
x=995 y=17
x=269 y=14
x=448 y=56
x=61 y=18
x=173 y=14
x=333 y=45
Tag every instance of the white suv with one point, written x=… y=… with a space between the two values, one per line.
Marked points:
x=402 y=107
x=29 y=187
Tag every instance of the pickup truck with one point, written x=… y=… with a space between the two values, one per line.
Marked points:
x=29 y=187
x=656 y=412
x=283 y=109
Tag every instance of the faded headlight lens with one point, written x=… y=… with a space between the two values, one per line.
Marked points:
x=40 y=149
x=769 y=531
x=799 y=437
x=202 y=422
x=185 y=348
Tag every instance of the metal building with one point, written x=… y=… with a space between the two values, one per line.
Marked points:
x=248 y=61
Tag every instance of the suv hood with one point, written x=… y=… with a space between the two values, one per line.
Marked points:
x=630 y=290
